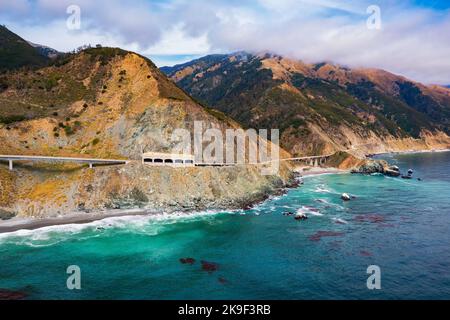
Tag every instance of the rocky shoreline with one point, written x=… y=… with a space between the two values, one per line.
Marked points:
x=10 y=223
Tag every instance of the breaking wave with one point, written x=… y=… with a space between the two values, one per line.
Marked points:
x=150 y=224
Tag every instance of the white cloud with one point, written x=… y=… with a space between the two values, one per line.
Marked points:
x=176 y=42
x=413 y=42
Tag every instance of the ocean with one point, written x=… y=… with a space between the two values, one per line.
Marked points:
x=401 y=226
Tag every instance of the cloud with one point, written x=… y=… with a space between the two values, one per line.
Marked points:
x=413 y=40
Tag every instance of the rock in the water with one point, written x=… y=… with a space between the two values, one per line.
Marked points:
x=6 y=294
x=365 y=253
x=209 y=266
x=409 y=175
x=392 y=171
x=320 y=234
x=187 y=261
x=300 y=216
x=378 y=166
x=222 y=280
x=371 y=218
x=372 y=166
x=346 y=197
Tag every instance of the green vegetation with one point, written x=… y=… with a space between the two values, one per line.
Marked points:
x=50 y=83
x=69 y=130
x=12 y=119
x=104 y=54
x=16 y=53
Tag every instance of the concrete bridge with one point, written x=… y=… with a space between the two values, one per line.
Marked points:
x=158 y=159
x=312 y=161
x=91 y=162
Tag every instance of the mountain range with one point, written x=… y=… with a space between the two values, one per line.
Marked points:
x=320 y=108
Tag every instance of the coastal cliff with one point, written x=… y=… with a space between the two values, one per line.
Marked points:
x=113 y=104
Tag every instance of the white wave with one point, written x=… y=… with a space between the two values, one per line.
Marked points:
x=325 y=202
x=51 y=235
x=309 y=211
x=325 y=189
x=339 y=220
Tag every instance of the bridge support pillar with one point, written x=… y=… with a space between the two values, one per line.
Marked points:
x=10 y=165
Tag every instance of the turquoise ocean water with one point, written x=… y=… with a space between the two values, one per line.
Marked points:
x=403 y=226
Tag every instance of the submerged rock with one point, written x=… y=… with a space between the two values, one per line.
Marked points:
x=320 y=234
x=6 y=294
x=209 y=266
x=365 y=253
x=222 y=280
x=371 y=218
x=190 y=261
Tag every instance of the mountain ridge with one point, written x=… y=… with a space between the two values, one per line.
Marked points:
x=331 y=106
x=15 y=52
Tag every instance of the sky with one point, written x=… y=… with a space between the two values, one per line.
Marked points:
x=406 y=37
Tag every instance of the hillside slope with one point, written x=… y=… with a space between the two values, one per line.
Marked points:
x=320 y=108
x=109 y=103
x=15 y=52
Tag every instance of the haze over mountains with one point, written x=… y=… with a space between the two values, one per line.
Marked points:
x=320 y=108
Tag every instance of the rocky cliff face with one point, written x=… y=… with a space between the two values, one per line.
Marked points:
x=321 y=108
x=109 y=103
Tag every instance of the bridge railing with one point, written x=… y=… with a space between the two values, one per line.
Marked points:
x=91 y=161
